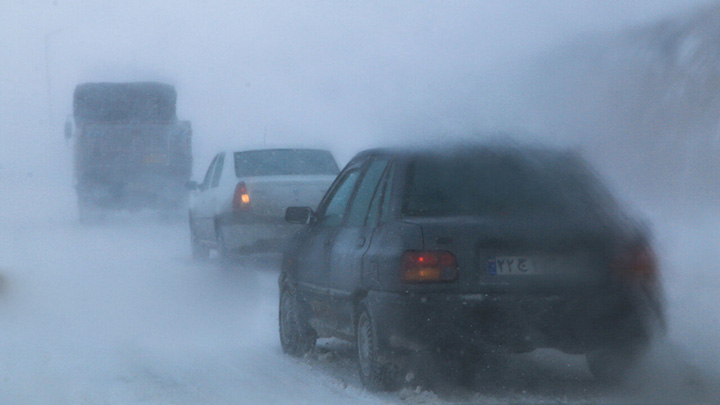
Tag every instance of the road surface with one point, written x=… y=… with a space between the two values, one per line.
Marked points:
x=118 y=312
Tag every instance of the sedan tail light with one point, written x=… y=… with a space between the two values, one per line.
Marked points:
x=241 y=198
x=435 y=266
x=637 y=263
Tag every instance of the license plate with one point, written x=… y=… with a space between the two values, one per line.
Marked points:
x=513 y=266
x=529 y=265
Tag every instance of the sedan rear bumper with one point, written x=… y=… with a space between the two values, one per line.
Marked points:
x=513 y=323
x=256 y=233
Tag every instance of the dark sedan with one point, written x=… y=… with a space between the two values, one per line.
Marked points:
x=468 y=250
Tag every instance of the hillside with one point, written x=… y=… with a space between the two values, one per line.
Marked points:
x=644 y=102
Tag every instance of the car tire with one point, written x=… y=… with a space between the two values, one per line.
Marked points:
x=199 y=251
x=612 y=365
x=297 y=337
x=224 y=254
x=375 y=374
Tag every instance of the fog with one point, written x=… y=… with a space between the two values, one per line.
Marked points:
x=349 y=75
x=90 y=312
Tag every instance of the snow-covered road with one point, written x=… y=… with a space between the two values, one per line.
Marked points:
x=117 y=312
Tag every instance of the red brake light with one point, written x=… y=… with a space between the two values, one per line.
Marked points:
x=429 y=266
x=637 y=264
x=241 y=198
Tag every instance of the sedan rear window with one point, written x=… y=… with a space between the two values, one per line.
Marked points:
x=494 y=183
x=284 y=162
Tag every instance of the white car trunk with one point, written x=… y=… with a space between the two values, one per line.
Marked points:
x=271 y=195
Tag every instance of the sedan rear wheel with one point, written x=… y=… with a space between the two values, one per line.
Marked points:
x=296 y=335
x=375 y=374
x=611 y=365
x=222 y=249
x=199 y=251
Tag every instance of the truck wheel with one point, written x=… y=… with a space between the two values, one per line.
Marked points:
x=296 y=335
x=85 y=210
x=84 y=214
x=375 y=374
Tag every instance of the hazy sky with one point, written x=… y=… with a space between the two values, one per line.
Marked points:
x=348 y=73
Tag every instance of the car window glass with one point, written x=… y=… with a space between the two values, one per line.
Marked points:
x=374 y=211
x=379 y=199
x=366 y=190
x=498 y=183
x=209 y=173
x=283 y=162
x=335 y=208
x=218 y=170
x=385 y=212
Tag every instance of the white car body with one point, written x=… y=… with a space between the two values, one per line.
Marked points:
x=259 y=225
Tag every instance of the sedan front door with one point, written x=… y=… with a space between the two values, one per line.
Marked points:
x=350 y=244
x=313 y=266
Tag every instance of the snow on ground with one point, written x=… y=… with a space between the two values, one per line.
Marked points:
x=117 y=312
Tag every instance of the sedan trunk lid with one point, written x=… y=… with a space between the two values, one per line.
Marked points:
x=521 y=254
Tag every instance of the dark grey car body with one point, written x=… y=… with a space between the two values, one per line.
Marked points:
x=485 y=205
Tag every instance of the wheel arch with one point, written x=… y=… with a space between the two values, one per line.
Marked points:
x=284 y=282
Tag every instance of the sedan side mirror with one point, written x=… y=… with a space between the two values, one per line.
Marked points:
x=298 y=215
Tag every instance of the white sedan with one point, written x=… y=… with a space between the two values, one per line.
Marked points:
x=240 y=205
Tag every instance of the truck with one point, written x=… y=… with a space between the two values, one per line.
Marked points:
x=130 y=150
